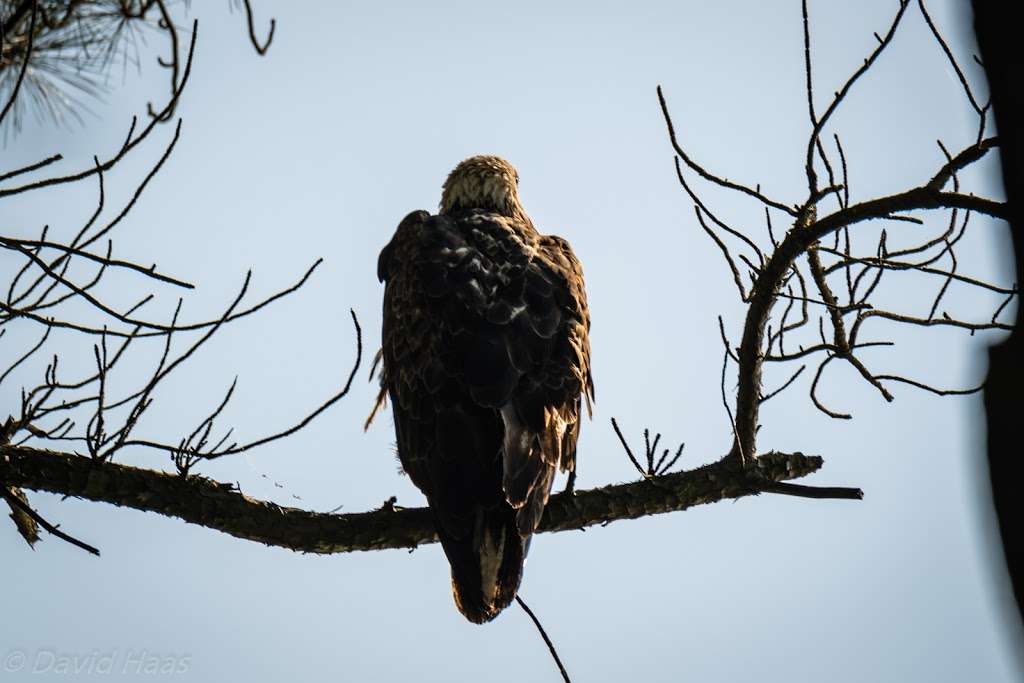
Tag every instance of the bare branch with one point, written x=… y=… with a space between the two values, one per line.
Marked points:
x=840 y=95
x=801 y=491
x=16 y=502
x=773 y=394
x=222 y=507
x=130 y=143
x=625 y=446
x=27 y=246
x=28 y=354
x=725 y=252
x=929 y=388
x=709 y=176
x=547 y=641
x=944 y=321
x=961 y=161
x=814 y=393
x=31 y=167
x=261 y=49
x=952 y=60
x=234 y=450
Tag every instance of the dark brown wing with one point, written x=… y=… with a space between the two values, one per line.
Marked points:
x=486 y=354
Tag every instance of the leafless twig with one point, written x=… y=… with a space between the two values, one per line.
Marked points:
x=16 y=502
x=547 y=640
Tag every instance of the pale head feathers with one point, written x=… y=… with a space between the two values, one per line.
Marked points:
x=483 y=182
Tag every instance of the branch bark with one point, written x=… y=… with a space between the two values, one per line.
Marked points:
x=223 y=507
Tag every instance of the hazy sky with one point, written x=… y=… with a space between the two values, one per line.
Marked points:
x=354 y=118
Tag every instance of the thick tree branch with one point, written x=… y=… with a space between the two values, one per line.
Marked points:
x=806 y=232
x=222 y=507
x=919 y=198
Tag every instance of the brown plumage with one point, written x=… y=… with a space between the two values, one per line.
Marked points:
x=486 y=355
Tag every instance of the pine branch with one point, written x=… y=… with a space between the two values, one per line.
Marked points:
x=221 y=506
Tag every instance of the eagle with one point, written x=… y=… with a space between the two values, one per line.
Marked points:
x=485 y=358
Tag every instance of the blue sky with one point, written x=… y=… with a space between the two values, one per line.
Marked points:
x=353 y=119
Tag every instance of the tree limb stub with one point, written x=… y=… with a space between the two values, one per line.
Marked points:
x=220 y=506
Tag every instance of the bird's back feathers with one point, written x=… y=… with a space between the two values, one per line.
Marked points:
x=486 y=355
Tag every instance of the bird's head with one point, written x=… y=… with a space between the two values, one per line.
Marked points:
x=483 y=182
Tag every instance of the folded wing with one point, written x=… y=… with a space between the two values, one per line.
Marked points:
x=486 y=357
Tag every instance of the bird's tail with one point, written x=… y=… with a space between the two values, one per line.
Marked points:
x=487 y=564
x=486 y=538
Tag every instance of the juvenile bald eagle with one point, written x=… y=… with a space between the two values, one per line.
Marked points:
x=486 y=354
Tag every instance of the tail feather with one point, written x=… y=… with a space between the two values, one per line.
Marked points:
x=485 y=529
x=487 y=565
x=528 y=516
